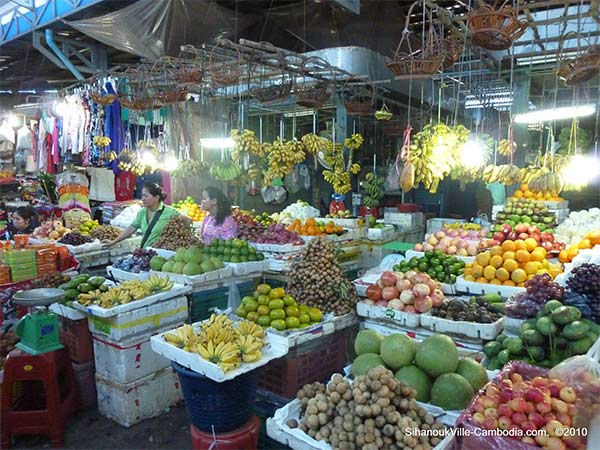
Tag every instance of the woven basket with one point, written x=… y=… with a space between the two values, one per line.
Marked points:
x=384 y=114
x=267 y=91
x=314 y=95
x=575 y=71
x=97 y=95
x=453 y=48
x=495 y=29
x=359 y=103
x=422 y=63
x=224 y=73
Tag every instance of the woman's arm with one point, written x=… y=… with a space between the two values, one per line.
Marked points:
x=124 y=235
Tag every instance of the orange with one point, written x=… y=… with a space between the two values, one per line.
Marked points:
x=509 y=246
x=489 y=272
x=572 y=251
x=502 y=274
x=585 y=243
x=521 y=284
x=518 y=193
x=483 y=259
x=530 y=244
x=539 y=254
x=481 y=280
x=508 y=255
x=528 y=194
x=469 y=278
x=594 y=237
x=520 y=244
x=468 y=271
x=563 y=256
x=508 y=283
x=496 y=281
x=496 y=250
x=531 y=268
x=477 y=270
x=524 y=187
x=523 y=256
x=496 y=261
x=511 y=265
x=518 y=276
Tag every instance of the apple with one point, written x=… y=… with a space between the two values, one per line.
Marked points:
x=547 y=245
x=554 y=425
x=490 y=424
x=529 y=408
x=521 y=228
x=523 y=236
x=492 y=389
x=504 y=410
x=555 y=443
x=517 y=404
x=518 y=418
x=559 y=406
x=506 y=228
x=528 y=440
x=554 y=389
x=543 y=407
x=506 y=395
x=547 y=237
x=498 y=236
x=537 y=419
x=516 y=377
x=528 y=426
x=568 y=394
x=534 y=395
x=490 y=401
x=539 y=382
x=541 y=439
x=512 y=236
x=537 y=237
x=504 y=423
x=565 y=419
x=549 y=417
x=490 y=413
x=479 y=417
x=572 y=442
x=521 y=386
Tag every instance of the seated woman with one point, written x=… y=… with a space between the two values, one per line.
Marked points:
x=24 y=221
x=219 y=223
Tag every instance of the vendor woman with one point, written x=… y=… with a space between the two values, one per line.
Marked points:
x=218 y=224
x=23 y=221
x=151 y=219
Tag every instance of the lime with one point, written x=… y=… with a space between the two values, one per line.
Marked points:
x=263 y=310
x=423 y=267
x=315 y=315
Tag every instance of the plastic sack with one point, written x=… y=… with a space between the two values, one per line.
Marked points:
x=582 y=373
x=392 y=181
x=233 y=296
x=273 y=194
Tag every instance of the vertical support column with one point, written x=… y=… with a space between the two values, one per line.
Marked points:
x=520 y=105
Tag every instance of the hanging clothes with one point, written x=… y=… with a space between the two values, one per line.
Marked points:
x=102 y=182
x=124 y=186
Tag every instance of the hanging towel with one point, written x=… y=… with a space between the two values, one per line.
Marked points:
x=101 y=184
x=124 y=186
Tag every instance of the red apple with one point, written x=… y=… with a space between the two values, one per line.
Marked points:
x=549 y=417
x=504 y=423
x=490 y=424
x=521 y=228
x=543 y=407
x=518 y=418
x=492 y=389
x=536 y=418
x=374 y=292
x=515 y=377
x=555 y=443
x=558 y=406
x=517 y=405
x=539 y=382
x=528 y=440
x=554 y=425
x=490 y=413
x=489 y=401
x=547 y=237
x=512 y=236
x=479 y=406
x=534 y=395
x=533 y=229
x=529 y=408
x=568 y=394
x=493 y=243
x=554 y=389
x=537 y=237
x=521 y=386
x=528 y=426
x=504 y=410
x=523 y=236
x=388 y=279
x=423 y=304
x=565 y=419
x=547 y=245
x=479 y=417
x=506 y=228
x=506 y=395
x=498 y=236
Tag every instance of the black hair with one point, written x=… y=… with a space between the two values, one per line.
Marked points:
x=26 y=213
x=223 y=203
x=155 y=190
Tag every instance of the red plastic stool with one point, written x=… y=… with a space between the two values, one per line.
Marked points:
x=244 y=438
x=48 y=395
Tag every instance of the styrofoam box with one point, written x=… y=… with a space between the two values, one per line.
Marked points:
x=295 y=438
x=240 y=269
x=161 y=252
x=381 y=234
x=437 y=223
x=123 y=275
x=302 y=335
x=345 y=223
x=198 y=280
x=85 y=248
x=67 y=311
x=471 y=287
x=277 y=265
x=379 y=312
x=512 y=326
x=275 y=347
x=93 y=259
x=404 y=220
x=557 y=205
x=128 y=404
x=283 y=248
x=485 y=331
x=141 y=320
x=128 y=360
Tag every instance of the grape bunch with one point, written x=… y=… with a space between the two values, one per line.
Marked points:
x=75 y=238
x=539 y=290
x=585 y=280
x=136 y=263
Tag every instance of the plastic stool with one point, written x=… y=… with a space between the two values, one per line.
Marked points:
x=47 y=400
x=243 y=438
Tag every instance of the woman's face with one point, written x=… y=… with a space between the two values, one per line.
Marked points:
x=19 y=222
x=149 y=200
x=207 y=203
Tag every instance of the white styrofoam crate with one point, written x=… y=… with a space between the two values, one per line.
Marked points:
x=90 y=247
x=240 y=269
x=277 y=248
x=141 y=320
x=512 y=326
x=278 y=265
x=345 y=223
x=93 y=259
x=485 y=331
x=127 y=360
x=198 y=280
x=557 y=205
x=67 y=312
x=128 y=404
x=162 y=252
x=278 y=430
x=123 y=275
x=379 y=312
x=275 y=347
x=381 y=234
x=302 y=335
x=471 y=287
x=405 y=221
x=437 y=223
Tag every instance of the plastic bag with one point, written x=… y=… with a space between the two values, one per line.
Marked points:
x=273 y=194
x=233 y=298
x=582 y=373
x=392 y=181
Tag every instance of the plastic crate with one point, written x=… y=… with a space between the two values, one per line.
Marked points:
x=202 y=304
x=218 y=407
x=76 y=337
x=313 y=361
x=246 y=289
x=85 y=374
x=265 y=405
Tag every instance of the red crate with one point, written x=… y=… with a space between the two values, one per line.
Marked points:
x=316 y=360
x=76 y=337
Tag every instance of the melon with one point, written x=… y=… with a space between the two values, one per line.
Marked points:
x=180 y=255
x=365 y=362
x=168 y=266
x=192 y=268
x=178 y=267
x=450 y=391
x=416 y=379
x=367 y=341
x=437 y=355
x=473 y=372
x=398 y=350
x=193 y=254
x=157 y=263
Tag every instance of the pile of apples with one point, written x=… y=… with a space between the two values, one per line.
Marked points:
x=51 y=229
x=522 y=231
x=453 y=241
x=410 y=292
x=529 y=405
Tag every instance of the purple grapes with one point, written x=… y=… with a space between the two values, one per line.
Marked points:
x=136 y=263
x=585 y=280
x=540 y=289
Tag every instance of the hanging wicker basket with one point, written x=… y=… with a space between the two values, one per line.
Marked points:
x=421 y=63
x=187 y=69
x=359 y=102
x=574 y=71
x=135 y=92
x=272 y=87
x=495 y=29
x=314 y=95
x=99 y=95
x=453 y=48
x=224 y=73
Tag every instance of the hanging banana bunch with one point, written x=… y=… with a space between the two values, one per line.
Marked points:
x=313 y=143
x=190 y=168
x=282 y=157
x=225 y=171
x=374 y=186
x=245 y=142
x=506 y=174
x=505 y=148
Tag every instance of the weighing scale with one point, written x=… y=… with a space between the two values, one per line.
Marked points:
x=38 y=330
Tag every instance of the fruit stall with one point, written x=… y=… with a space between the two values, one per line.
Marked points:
x=297 y=239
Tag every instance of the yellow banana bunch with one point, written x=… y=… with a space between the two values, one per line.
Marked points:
x=313 y=143
x=355 y=169
x=101 y=141
x=505 y=148
x=354 y=142
x=245 y=143
x=181 y=336
x=90 y=298
x=158 y=284
x=548 y=182
x=248 y=328
x=224 y=354
x=249 y=348
x=506 y=174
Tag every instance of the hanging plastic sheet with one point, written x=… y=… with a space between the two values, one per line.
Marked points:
x=154 y=28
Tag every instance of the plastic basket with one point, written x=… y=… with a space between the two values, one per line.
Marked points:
x=202 y=304
x=265 y=405
x=224 y=406
x=313 y=361
x=76 y=337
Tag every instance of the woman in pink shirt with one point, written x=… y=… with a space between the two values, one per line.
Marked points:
x=218 y=224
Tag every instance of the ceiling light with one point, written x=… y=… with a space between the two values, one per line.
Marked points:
x=14 y=121
x=216 y=143
x=547 y=115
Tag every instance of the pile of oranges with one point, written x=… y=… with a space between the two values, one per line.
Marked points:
x=313 y=228
x=525 y=192
x=511 y=264
x=592 y=239
x=193 y=211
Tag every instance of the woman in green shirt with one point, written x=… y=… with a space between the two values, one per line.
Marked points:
x=151 y=219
